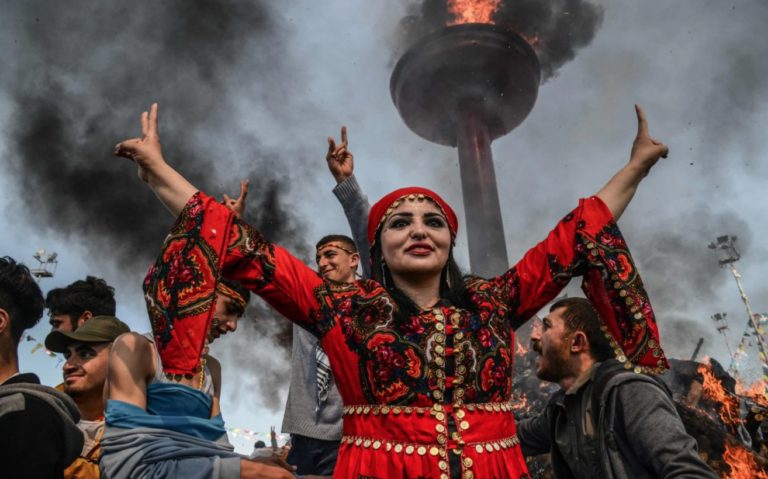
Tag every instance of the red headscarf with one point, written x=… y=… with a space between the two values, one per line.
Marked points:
x=383 y=208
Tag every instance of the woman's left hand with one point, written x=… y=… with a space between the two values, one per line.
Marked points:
x=646 y=151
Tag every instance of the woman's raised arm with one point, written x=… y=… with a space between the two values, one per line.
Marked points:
x=646 y=151
x=172 y=189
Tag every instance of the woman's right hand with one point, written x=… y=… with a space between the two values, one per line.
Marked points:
x=237 y=206
x=146 y=151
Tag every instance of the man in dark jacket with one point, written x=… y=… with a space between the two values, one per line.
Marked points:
x=606 y=421
x=38 y=432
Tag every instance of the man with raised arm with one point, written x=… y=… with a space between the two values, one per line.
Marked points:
x=341 y=164
x=313 y=409
x=163 y=415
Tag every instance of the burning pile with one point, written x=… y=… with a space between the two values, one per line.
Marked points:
x=743 y=415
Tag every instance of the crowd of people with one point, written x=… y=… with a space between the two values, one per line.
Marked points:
x=401 y=371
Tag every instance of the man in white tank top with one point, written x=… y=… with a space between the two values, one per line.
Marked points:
x=135 y=367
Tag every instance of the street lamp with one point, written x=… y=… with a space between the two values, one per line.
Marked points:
x=47 y=264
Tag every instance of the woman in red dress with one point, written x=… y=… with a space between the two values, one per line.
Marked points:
x=422 y=355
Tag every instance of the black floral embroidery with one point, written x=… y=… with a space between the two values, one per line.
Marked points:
x=394 y=357
x=608 y=254
x=248 y=243
x=181 y=282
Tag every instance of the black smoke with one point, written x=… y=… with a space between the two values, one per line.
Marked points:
x=681 y=273
x=561 y=27
x=77 y=76
x=259 y=352
x=79 y=87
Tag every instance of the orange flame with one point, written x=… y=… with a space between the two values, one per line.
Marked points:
x=755 y=392
x=714 y=390
x=472 y=11
x=533 y=40
x=742 y=464
x=520 y=403
x=520 y=350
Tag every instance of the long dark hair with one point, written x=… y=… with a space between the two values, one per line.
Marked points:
x=453 y=291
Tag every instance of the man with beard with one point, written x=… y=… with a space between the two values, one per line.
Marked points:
x=606 y=421
x=313 y=409
x=85 y=370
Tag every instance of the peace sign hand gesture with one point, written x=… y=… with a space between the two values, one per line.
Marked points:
x=146 y=151
x=646 y=151
x=237 y=206
x=340 y=159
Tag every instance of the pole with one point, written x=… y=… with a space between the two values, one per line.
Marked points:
x=751 y=322
x=742 y=345
x=485 y=231
x=698 y=348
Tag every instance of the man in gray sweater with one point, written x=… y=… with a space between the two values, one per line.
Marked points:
x=606 y=421
x=313 y=410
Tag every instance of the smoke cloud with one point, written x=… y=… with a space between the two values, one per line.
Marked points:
x=557 y=29
x=77 y=95
x=681 y=273
x=679 y=264
x=78 y=87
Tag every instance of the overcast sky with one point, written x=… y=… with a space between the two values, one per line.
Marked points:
x=252 y=89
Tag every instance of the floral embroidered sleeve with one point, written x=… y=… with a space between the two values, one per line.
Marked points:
x=587 y=242
x=278 y=277
x=180 y=286
x=273 y=273
x=206 y=243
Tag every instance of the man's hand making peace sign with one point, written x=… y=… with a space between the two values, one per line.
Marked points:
x=339 y=158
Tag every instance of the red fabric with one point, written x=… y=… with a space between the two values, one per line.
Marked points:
x=378 y=360
x=371 y=440
x=380 y=209
x=180 y=286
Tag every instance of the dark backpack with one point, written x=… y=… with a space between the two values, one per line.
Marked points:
x=604 y=374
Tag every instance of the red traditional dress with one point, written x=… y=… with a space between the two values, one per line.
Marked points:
x=428 y=397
